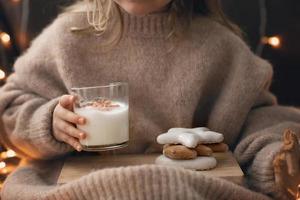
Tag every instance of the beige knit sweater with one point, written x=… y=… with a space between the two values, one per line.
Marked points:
x=210 y=79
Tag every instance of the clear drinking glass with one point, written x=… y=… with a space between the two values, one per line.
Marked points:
x=106 y=111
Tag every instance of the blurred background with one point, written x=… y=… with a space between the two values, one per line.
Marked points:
x=271 y=28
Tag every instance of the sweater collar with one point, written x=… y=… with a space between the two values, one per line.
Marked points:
x=151 y=25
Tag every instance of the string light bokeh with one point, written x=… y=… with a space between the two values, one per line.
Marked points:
x=274 y=41
x=5 y=39
x=9 y=160
x=8 y=163
x=2 y=74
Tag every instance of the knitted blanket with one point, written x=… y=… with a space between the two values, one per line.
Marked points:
x=136 y=182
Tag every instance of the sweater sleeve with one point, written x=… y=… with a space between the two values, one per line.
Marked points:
x=28 y=99
x=245 y=111
x=261 y=141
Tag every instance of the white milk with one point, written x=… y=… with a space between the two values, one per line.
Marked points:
x=104 y=127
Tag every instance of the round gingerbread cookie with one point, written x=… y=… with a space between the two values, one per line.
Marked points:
x=179 y=152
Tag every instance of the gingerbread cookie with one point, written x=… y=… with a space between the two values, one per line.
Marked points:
x=219 y=147
x=199 y=163
x=179 y=152
x=203 y=150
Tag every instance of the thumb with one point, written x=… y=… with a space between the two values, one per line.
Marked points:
x=66 y=101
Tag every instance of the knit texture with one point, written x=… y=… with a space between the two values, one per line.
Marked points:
x=210 y=78
x=138 y=182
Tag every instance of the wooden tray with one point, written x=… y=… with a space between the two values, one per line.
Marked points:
x=76 y=167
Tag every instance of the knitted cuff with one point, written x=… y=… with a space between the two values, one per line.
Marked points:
x=262 y=172
x=41 y=137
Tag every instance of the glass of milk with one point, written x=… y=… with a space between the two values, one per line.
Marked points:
x=106 y=111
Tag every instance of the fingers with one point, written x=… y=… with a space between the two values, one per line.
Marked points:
x=290 y=140
x=291 y=150
x=286 y=164
x=69 y=129
x=69 y=116
x=70 y=140
x=64 y=120
x=66 y=132
x=292 y=161
x=67 y=101
x=286 y=183
x=279 y=165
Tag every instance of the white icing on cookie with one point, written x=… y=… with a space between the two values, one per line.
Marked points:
x=200 y=163
x=191 y=130
x=190 y=137
x=187 y=139
x=210 y=137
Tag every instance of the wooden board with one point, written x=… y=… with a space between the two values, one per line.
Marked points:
x=76 y=167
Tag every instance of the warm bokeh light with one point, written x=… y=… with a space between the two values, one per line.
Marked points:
x=5 y=38
x=2 y=74
x=4 y=171
x=2 y=165
x=298 y=193
x=7 y=169
x=10 y=154
x=273 y=41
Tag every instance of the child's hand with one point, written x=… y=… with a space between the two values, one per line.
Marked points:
x=64 y=123
x=286 y=165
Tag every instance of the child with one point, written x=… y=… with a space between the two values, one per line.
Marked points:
x=186 y=66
